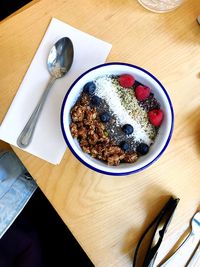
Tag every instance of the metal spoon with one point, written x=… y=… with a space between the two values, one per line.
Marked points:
x=181 y=255
x=58 y=63
x=198 y=19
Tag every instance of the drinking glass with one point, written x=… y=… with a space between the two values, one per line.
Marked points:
x=160 y=6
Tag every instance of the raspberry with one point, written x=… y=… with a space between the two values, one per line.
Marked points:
x=126 y=80
x=156 y=117
x=142 y=92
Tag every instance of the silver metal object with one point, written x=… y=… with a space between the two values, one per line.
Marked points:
x=59 y=62
x=182 y=254
x=195 y=259
x=198 y=19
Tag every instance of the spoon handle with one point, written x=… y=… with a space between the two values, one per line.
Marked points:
x=26 y=135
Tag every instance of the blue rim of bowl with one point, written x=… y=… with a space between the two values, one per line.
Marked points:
x=90 y=166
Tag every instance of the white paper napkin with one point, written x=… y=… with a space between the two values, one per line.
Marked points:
x=48 y=142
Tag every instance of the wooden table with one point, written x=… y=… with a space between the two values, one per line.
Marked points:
x=108 y=214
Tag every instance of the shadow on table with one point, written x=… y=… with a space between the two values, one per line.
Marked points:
x=7 y=7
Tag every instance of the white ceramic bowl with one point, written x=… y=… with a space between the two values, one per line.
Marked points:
x=164 y=134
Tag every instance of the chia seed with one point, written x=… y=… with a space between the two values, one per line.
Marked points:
x=131 y=104
x=114 y=130
x=150 y=103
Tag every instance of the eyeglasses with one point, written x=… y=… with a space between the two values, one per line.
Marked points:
x=150 y=241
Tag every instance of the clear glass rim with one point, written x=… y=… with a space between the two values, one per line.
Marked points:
x=158 y=9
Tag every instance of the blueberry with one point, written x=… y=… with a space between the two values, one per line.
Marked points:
x=142 y=149
x=105 y=117
x=124 y=145
x=127 y=129
x=95 y=100
x=89 y=88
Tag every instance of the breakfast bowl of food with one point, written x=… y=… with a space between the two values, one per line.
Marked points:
x=117 y=118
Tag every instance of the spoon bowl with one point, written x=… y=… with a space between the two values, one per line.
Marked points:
x=196 y=224
x=59 y=62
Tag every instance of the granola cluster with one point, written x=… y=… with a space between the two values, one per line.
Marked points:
x=92 y=135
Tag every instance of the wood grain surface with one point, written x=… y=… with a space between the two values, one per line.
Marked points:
x=108 y=214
